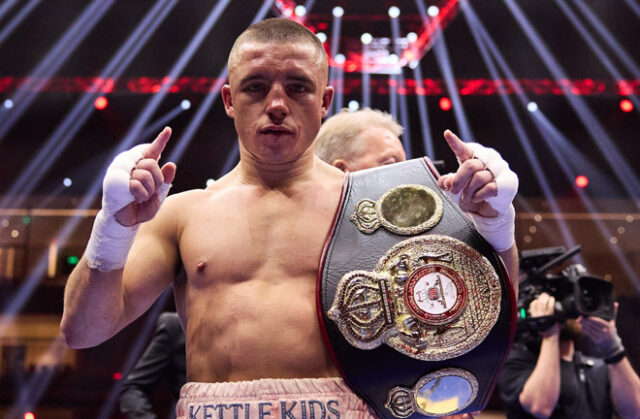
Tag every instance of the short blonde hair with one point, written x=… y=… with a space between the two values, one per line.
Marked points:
x=282 y=31
x=338 y=134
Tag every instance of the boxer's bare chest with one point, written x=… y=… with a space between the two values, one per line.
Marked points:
x=252 y=255
x=246 y=232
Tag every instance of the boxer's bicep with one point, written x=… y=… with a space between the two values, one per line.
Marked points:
x=150 y=265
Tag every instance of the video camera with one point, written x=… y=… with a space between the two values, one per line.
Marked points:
x=576 y=292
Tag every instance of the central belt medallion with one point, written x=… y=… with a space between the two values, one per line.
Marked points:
x=429 y=297
x=435 y=294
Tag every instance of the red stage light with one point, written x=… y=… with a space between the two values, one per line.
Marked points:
x=29 y=415
x=433 y=87
x=117 y=375
x=101 y=103
x=626 y=105
x=582 y=181
x=445 y=103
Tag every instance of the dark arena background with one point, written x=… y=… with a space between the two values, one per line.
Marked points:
x=553 y=84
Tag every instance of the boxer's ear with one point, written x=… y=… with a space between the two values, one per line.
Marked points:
x=340 y=164
x=327 y=97
x=226 y=98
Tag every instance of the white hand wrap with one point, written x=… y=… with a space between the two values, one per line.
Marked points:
x=110 y=241
x=499 y=231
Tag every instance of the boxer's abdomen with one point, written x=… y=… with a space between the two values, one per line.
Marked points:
x=257 y=329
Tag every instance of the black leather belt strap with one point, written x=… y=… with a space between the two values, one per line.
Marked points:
x=372 y=373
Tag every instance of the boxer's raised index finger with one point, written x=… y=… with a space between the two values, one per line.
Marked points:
x=155 y=148
x=459 y=148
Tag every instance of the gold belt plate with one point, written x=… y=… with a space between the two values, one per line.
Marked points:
x=429 y=297
x=404 y=209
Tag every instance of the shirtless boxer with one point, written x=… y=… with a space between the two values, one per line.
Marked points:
x=250 y=243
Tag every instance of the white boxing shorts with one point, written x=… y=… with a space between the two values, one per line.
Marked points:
x=308 y=398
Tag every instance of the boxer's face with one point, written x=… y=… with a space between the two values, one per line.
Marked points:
x=277 y=96
x=375 y=146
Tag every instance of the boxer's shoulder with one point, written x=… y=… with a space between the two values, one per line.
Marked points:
x=175 y=209
x=182 y=201
x=192 y=205
x=194 y=197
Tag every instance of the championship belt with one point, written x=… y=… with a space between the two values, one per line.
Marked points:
x=416 y=307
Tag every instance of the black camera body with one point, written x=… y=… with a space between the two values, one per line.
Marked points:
x=576 y=292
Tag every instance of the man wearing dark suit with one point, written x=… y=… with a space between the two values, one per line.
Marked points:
x=163 y=360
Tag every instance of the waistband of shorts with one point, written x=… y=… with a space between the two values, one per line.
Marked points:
x=265 y=387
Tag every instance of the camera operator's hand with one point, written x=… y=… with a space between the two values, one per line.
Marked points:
x=544 y=305
x=541 y=392
x=603 y=333
x=625 y=383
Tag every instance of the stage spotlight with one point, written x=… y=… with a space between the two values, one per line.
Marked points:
x=300 y=10
x=338 y=11
x=433 y=11
x=582 y=181
x=322 y=37
x=67 y=182
x=394 y=12
x=185 y=104
x=412 y=37
x=393 y=58
x=354 y=105
x=339 y=58
x=29 y=415
x=8 y=103
x=626 y=105
x=366 y=38
x=100 y=103
x=117 y=376
x=445 y=104
x=532 y=107
x=409 y=55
